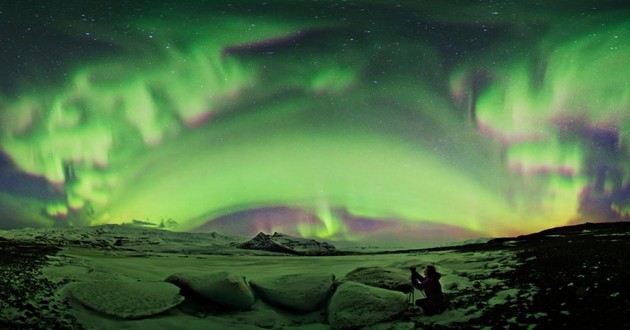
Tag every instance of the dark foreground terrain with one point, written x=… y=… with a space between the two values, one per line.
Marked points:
x=581 y=274
x=576 y=277
x=27 y=300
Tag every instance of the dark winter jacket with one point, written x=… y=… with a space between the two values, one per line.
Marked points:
x=432 y=288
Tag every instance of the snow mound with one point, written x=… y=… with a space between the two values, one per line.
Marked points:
x=302 y=293
x=221 y=288
x=261 y=318
x=382 y=277
x=288 y=244
x=127 y=300
x=355 y=305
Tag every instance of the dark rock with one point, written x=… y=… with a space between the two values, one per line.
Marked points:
x=281 y=243
x=23 y=291
x=263 y=242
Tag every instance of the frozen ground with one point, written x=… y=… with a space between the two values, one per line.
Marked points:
x=461 y=270
x=574 y=276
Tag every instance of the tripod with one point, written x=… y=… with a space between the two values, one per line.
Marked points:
x=411 y=296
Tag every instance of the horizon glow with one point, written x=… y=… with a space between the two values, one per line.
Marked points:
x=480 y=127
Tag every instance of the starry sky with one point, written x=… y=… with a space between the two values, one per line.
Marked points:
x=365 y=121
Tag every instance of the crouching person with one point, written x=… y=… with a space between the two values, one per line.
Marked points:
x=434 y=302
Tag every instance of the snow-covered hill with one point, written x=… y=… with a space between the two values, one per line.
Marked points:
x=150 y=239
x=132 y=237
x=288 y=244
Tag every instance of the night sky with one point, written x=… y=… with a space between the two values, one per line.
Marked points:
x=383 y=121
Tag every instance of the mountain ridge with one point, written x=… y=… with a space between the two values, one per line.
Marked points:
x=151 y=239
x=288 y=244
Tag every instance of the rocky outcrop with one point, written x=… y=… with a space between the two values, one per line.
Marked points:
x=302 y=293
x=281 y=243
x=264 y=242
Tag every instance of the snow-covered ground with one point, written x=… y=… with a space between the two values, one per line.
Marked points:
x=119 y=277
x=462 y=272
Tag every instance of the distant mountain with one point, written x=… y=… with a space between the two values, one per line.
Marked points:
x=587 y=229
x=141 y=238
x=282 y=243
x=480 y=240
x=126 y=236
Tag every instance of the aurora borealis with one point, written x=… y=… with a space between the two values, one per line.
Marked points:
x=351 y=120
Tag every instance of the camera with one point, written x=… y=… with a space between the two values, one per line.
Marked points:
x=414 y=273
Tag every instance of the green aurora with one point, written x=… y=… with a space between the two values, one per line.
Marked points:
x=481 y=116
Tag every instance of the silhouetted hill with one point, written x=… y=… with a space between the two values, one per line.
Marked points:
x=582 y=273
x=282 y=243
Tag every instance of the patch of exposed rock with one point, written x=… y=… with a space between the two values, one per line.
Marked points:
x=302 y=293
x=223 y=289
x=282 y=243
